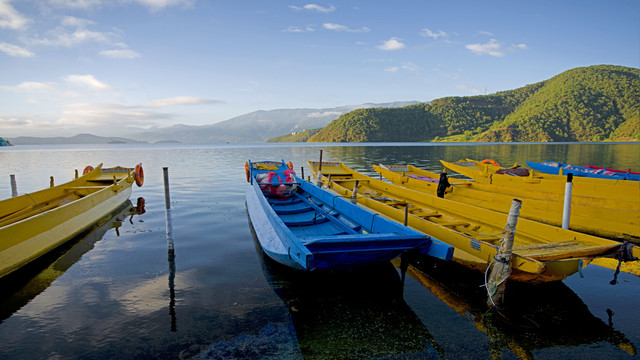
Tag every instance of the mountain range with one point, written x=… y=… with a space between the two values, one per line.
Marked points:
x=257 y=126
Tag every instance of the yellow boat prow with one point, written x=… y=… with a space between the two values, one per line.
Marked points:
x=33 y=224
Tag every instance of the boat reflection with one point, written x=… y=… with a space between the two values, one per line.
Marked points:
x=26 y=283
x=532 y=317
x=350 y=315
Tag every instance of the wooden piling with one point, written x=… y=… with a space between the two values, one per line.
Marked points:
x=502 y=260
x=566 y=210
x=167 y=210
x=319 y=179
x=14 y=186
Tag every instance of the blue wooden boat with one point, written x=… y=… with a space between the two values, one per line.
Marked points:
x=306 y=227
x=554 y=167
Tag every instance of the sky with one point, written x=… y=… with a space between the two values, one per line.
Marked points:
x=113 y=67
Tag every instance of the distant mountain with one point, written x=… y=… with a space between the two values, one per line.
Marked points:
x=595 y=103
x=78 y=139
x=256 y=126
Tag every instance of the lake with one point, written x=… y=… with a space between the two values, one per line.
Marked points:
x=119 y=293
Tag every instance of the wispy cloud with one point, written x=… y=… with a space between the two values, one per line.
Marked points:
x=29 y=86
x=339 y=27
x=181 y=100
x=15 y=50
x=519 y=47
x=157 y=5
x=297 y=29
x=411 y=67
x=10 y=18
x=314 y=7
x=492 y=48
x=485 y=33
x=119 y=54
x=391 y=44
x=435 y=35
x=107 y=114
x=324 y=114
x=10 y=121
x=87 y=82
x=75 y=4
x=391 y=69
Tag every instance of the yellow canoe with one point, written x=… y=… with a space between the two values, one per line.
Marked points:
x=33 y=224
x=621 y=194
x=542 y=252
x=588 y=215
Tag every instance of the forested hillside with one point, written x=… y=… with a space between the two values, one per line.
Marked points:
x=593 y=103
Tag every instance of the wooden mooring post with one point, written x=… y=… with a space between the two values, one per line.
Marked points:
x=502 y=260
x=14 y=186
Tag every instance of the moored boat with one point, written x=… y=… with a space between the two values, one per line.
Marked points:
x=558 y=168
x=624 y=194
x=33 y=224
x=613 y=170
x=308 y=228
x=590 y=215
x=541 y=252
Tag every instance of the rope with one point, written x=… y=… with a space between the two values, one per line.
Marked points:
x=34 y=201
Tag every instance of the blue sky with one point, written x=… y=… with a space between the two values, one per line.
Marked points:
x=113 y=67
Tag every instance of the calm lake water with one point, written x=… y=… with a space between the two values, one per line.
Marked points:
x=119 y=295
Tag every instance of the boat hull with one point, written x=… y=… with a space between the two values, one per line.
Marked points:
x=556 y=168
x=589 y=215
x=541 y=252
x=32 y=237
x=312 y=229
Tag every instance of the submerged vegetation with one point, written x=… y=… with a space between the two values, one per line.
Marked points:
x=595 y=103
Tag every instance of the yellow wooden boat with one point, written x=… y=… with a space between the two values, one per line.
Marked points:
x=621 y=194
x=588 y=215
x=541 y=252
x=33 y=224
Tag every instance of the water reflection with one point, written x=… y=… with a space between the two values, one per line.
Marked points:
x=354 y=315
x=26 y=283
x=532 y=318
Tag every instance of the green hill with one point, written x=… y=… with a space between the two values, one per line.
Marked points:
x=302 y=136
x=596 y=103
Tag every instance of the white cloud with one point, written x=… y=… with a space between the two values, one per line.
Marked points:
x=411 y=67
x=339 y=27
x=519 y=47
x=391 y=44
x=75 y=4
x=10 y=18
x=314 y=7
x=15 y=50
x=29 y=86
x=482 y=32
x=119 y=54
x=324 y=113
x=391 y=69
x=181 y=100
x=9 y=121
x=72 y=21
x=63 y=37
x=87 y=81
x=156 y=5
x=91 y=114
x=492 y=48
x=297 y=29
x=428 y=33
